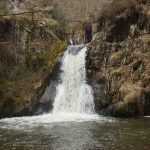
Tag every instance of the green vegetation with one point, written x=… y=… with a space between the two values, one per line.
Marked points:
x=43 y=61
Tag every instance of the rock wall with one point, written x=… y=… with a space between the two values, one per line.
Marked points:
x=30 y=42
x=119 y=62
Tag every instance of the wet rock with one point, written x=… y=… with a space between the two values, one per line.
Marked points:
x=43 y=99
x=101 y=99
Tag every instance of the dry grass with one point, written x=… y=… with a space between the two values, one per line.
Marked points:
x=122 y=70
x=116 y=57
x=129 y=92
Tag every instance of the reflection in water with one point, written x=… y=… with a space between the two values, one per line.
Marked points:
x=95 y=135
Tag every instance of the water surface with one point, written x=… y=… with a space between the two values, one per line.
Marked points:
x=102 y=134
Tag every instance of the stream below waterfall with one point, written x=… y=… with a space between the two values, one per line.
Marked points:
x=104 y=134
x=73 y=123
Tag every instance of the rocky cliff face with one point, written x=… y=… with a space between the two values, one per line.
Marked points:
x=119 y=62
x=30 y=42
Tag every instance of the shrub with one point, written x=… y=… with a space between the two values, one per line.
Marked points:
x=115 y=7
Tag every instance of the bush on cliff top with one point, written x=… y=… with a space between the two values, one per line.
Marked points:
x=115 y=7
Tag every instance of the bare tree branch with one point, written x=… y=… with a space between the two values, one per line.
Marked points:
x=23 y=13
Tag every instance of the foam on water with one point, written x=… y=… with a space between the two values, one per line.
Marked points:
x=27 y=123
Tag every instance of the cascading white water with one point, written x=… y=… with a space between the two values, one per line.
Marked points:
x=74 y=95
x=71 y=41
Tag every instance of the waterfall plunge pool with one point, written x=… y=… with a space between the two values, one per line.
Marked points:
x=49 y=133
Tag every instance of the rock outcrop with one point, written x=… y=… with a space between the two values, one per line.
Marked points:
x=31 y=41
x=119 y=62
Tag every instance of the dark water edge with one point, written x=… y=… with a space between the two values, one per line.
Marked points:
x=121 y=134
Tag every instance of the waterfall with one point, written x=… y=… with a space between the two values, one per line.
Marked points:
x=74 y=95
x=71 y=41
